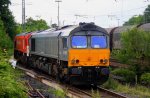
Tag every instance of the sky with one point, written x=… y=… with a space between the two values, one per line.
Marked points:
x=105 y=13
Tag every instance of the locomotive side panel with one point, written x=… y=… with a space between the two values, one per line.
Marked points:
x=48 y=46
x=52 y=47
x=45 y=46
x=40 y=45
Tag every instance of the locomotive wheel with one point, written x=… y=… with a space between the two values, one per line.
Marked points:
x=94 y=86
x=60 y=76
x=27 y=61
x=57 y=73
x=54 y=70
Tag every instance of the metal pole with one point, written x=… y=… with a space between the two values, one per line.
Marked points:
x=58 y=11
x=23 y=16
x=58 y=14
x=118 y=22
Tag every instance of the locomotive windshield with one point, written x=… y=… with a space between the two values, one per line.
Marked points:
x=98 y=42
x=79 y=42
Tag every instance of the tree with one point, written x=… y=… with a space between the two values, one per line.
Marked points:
x=135 y=20
x=135 y=50
x=5 y=41
x=33 y=25
x=7 y=18
x=147 y=14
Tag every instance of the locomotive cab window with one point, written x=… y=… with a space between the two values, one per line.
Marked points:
x=98 y=42
x=79 y=42
x=64 y=41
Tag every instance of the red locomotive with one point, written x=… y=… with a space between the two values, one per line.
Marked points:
x=21 y=45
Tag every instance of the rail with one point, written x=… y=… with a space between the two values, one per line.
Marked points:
x=117 y=95
x=71 y=91
x=34 y=92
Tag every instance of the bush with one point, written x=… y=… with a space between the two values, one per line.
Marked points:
x=5 y=41
x=128 y=76
x=110 y=84
x=10 y=87
x=145 y=78
x=135 y=48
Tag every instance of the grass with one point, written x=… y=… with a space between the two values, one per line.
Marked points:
x=95 y=94
x=57 y=93
x=137 y=90
x=10 y=85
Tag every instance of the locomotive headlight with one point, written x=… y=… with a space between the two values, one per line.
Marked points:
x=104 y=61
x=75 y=61
x=101 y=60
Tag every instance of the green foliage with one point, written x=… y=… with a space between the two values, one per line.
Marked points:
x=19 y=28
x=5 y=41
x=95 y=94
x=136 y=91
x=135 y=20
x=136 y=43
x=110 y=84
x=9 y=86
x=145 y=78
x=147 y=14
x=33 y=25
x=129 y=76
x=57 y=93
x=135 y=51
x=135 y=47
x=7 y=18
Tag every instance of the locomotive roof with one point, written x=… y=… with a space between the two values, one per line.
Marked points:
x=54 y=32
x=21 y=34
x=89 y=27
x=24 y=34
x=67 y=30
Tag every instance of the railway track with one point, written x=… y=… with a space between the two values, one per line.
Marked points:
x=112 y=93
x=71 y=91
x=114 y=63
x=33 y=93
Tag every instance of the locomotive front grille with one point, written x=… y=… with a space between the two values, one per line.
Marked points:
x=89 y=74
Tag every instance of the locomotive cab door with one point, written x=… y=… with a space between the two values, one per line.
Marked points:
x=63 y=48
